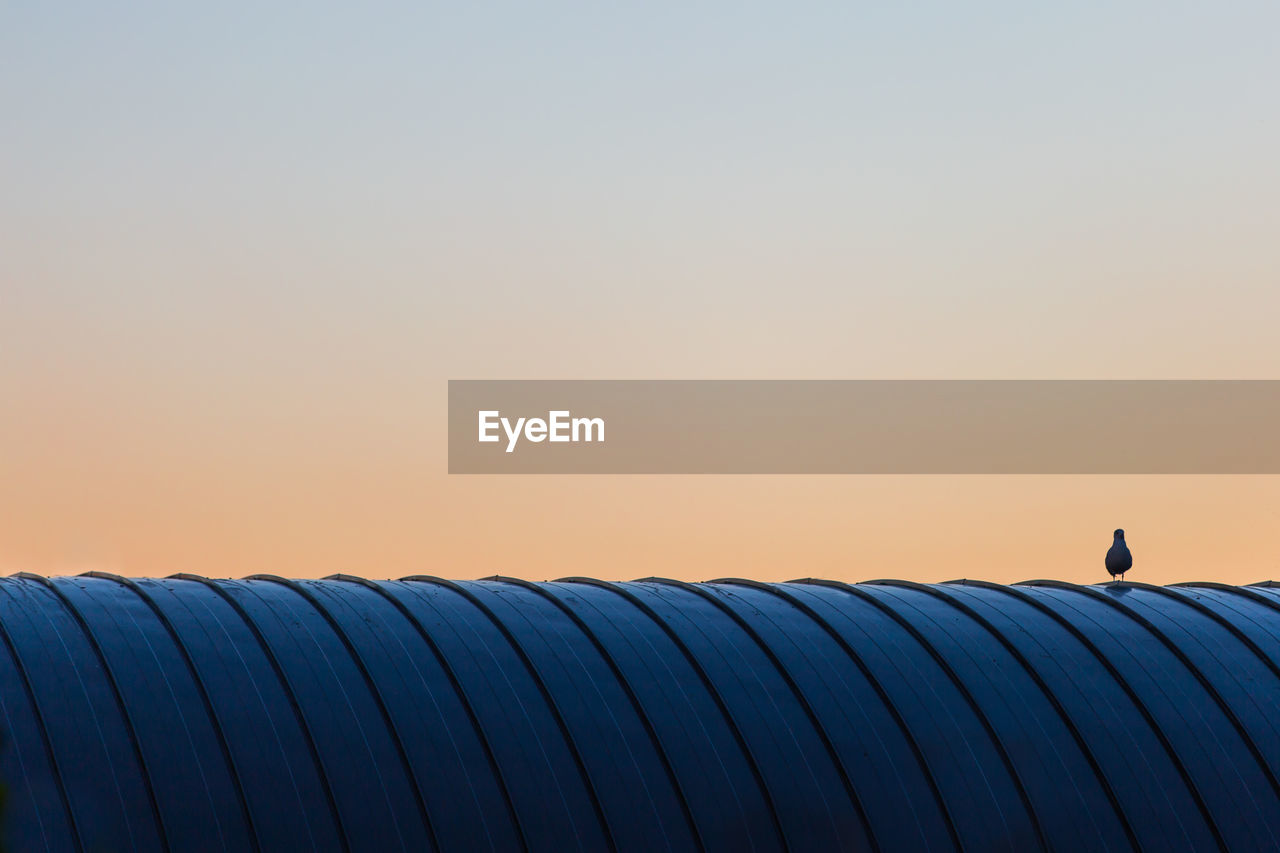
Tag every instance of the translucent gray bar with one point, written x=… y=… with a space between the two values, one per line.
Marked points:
x=866 y=427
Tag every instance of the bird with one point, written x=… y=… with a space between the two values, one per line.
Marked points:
x=1119 y=560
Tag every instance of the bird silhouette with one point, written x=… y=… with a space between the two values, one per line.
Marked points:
x=1119 y=560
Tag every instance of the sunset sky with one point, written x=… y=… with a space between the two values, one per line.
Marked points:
x=243 y=248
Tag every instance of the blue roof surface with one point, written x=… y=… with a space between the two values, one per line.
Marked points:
x=272 y=714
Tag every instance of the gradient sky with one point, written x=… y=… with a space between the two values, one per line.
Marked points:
x=243 y=247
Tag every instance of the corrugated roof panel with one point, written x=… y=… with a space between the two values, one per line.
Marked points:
x=418 y=714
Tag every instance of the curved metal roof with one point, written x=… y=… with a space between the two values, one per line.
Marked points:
x=272 y=714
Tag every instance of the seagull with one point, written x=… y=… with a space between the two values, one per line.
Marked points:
x=1119 y=560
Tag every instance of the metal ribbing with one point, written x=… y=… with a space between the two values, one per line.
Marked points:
x=214 y=722
x=890 y=706
x=960 y=686
x=796 y=692
x=381 y=704
x=468 y=708
x=1243 y=592
x=1130 y=692
x=288 y=691
x=1222 y=704
x=632 y=698
x=679 y=687
x=59 y=782
x=693 y=662
x=1216 y=617
x=592 y=793
x=114 y=684
x=1049 y=695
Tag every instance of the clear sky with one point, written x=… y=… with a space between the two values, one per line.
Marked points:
x=243 y=247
